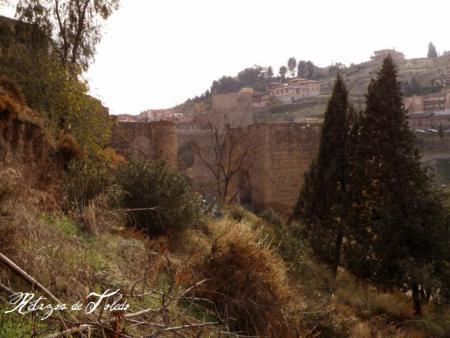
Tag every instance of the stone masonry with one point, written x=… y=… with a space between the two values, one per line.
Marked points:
x=284 y=154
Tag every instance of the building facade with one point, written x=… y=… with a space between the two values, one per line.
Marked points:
x=430 y=111
x=430 y=120
x=380 y=55
x=429 y=103
x=294 y=90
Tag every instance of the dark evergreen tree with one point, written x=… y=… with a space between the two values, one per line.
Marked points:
x=398 y=222
x=283 y=70
x=441 y=131
x=432 y=53
x=323 y=202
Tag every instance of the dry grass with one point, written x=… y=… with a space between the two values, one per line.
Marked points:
x=112 y=157
x=52 y=248
x=9 y=191
x=71 y=262
x=247 y=282
x=367 y=302
x=246 y=279
x=385 y=314
x=97 y=217
x=238 y=213
x=12 y=89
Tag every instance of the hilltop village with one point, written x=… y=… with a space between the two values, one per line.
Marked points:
x=286 y=119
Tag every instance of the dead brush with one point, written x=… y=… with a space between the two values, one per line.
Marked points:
x=9 y=108
x=13 y=90
x=69 y=149
x=247 y=283
x=97 y=216
x=9 y=194
x=11 y=101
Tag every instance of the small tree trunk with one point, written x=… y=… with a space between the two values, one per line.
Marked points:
x=337 y=252
x=416 y=299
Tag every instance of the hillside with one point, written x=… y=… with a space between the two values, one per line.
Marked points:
x=428 y=74
x=104 y=239
x=208 y=272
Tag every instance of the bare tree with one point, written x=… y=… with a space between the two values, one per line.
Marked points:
x=228 y=154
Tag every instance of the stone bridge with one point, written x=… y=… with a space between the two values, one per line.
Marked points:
x=153 y=141
x=285 y=151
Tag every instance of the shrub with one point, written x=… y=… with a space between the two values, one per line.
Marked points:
x=298 y=254
x=69 y=149
x=85 y=181
x=246 y=281
x=241 y=214
x=272 y=217
x=165 y=195
x=112 y=157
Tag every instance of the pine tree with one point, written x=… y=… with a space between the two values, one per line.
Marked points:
x=283 y=70
x=397 y=220
x=323 y=202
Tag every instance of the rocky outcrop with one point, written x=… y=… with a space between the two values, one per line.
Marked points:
x=22 y=138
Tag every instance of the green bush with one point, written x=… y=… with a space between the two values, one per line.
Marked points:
x=86 y=180
x=156 y=185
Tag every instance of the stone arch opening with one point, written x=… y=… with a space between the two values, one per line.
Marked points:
x=142 y=147
x=186 y=156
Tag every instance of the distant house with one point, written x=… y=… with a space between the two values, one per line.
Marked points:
x=429 y=103
x=429 y=111
x=160 y=115
x=430 y=120
x=380 y=55
x=294 y=90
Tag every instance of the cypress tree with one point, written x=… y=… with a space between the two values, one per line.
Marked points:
x=323 y=203
x=432 y=53
x=397 y=221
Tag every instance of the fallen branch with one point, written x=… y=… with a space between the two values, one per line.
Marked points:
x=81 y=328
x=27 y=277
x=34 y=283
x=132 y=209
x=185 y=292
x=6 y=289
x=190 y=326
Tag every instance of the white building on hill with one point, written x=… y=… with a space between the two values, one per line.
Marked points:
x=294 y=90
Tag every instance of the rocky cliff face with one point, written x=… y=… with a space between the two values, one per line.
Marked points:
x=22 y=138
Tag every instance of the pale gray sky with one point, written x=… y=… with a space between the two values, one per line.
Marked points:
x=158 y=53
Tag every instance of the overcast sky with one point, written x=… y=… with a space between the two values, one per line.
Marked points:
x=157 y=53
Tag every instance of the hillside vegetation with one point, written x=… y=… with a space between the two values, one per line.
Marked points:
x=226 y=274
x=418 y=76
x=365 y=253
